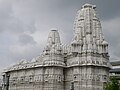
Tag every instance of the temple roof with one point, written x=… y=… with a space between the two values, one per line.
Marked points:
x=53 y=37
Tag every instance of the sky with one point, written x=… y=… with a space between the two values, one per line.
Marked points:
x=25 y=25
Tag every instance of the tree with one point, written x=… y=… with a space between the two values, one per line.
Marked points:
x=113 y=84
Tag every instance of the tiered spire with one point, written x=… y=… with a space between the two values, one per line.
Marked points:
x=52 y=54
x=87 y=27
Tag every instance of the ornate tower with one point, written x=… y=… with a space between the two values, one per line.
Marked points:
x=87 y=57
x=83 y=65
x=53 y=63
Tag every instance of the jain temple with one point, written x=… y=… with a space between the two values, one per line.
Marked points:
x=81 y=65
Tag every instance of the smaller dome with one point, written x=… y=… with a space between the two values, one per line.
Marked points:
x=104 y=43
x=33 y=60
x=23 y=61
x=53 y=37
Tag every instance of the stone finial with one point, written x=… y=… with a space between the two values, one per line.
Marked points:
x=89 y=6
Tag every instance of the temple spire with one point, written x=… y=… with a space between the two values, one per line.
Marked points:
x=53 y=37
x=88 y=29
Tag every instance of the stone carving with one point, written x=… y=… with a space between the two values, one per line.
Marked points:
x=81 y=65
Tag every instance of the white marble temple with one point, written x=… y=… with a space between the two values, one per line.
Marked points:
x=81 y=65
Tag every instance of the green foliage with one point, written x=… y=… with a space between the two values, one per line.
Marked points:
x=113 y=84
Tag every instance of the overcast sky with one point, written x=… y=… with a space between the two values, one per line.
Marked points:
x=25 y=24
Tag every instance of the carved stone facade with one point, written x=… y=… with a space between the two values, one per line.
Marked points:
x=82 y=65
